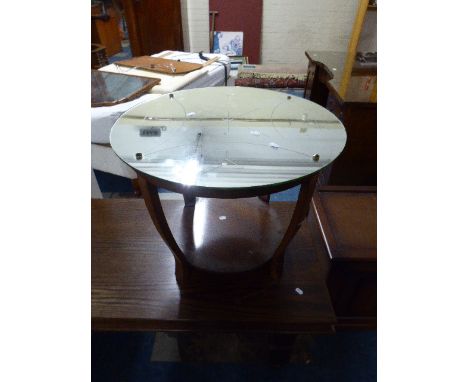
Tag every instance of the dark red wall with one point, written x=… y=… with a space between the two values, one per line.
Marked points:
x=241 y=15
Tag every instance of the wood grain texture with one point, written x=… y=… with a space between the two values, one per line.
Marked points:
x=373 y=97
x=348 y=220
x=160 y=65
x=134 y=286
x=153 y=204
x=98 y=56
x=225 y=252
x=108 y=31
x=357 y=164
x=318 y=76
x=153 y=26
x=301 y=210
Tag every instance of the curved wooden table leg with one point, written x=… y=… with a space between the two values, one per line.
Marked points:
x=153 y=204
x=189 y=200
x=183 y=267
x=300 y=213
x=265 y=198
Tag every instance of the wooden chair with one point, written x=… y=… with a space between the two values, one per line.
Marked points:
x=316 y=89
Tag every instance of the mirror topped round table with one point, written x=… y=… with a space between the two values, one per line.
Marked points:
x=227 y=143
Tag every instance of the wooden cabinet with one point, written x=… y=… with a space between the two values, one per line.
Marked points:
x=348 y=222
x=105 y=29
x=357 y=164
x=153 y=25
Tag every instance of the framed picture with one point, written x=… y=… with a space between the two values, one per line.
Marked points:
x=228 y=43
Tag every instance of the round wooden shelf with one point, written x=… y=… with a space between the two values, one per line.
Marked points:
x=218 y=238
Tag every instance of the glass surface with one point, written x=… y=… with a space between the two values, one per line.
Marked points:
x=110 y=88
x=228 y=137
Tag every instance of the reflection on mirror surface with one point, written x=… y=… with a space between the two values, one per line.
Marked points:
x=228 y=137
x=199 y=223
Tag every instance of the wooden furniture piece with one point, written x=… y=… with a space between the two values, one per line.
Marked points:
x=98 y=56
x=327 y=68
x=212 y=27
x=153 y=25
x=105 y=28
x=348 y=222
x=349 y=89
x=226 y=262
x=227 y=143
x=163 y=65
x=358 y=163
x=109 y=89
x=134 y=288
x=213 y=74
x=318 y=76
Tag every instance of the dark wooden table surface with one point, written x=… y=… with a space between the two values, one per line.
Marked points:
x=134 y=286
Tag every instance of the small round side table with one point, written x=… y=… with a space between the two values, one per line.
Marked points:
x=227 y=143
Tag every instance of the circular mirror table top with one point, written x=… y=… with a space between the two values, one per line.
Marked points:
x=228 y=137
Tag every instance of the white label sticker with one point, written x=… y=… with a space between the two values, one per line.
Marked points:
x=299 y=291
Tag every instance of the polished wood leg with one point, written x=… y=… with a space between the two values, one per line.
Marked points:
x=153 y=204
x=189 y=200
x=300 y=213
x=265 y=198
x=183 y=266
x=187 y=240
x=136 y=187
